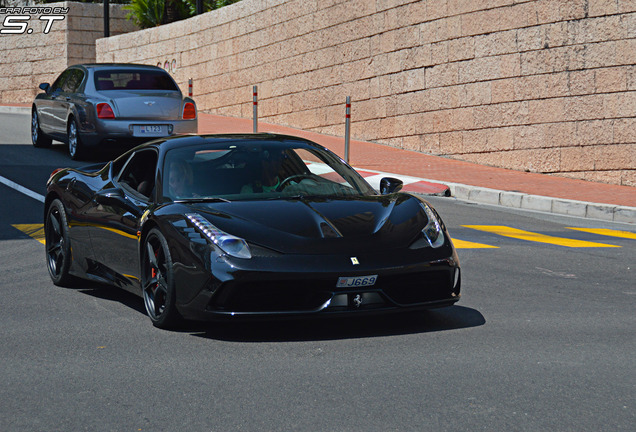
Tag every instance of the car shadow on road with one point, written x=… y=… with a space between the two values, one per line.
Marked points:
x=101 y=155
x=306 y=329
x=333 y=328
x=110 y=293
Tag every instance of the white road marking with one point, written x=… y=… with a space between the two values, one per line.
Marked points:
x=21 y=189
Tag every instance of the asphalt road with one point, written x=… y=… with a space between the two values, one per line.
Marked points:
x=543 y=339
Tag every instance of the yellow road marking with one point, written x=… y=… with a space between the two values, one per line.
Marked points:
x=463 y=244
x=536 y=237
x=607 y=232
x=34 y=230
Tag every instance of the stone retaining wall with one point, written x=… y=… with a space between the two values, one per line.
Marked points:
x=540 y=85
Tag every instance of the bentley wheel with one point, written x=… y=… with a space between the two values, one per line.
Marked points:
x=58 y=246
x=37 y=137
x=74 y=141
x=157 y=281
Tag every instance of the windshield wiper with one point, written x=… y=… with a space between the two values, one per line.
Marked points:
x=301 y=197
x=202 y=200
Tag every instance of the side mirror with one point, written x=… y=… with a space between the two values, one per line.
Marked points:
x=116 y=198
x=45 y=87
x=389 y=185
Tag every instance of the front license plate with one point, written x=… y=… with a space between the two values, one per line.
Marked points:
x=357 y=281
x=150 y=130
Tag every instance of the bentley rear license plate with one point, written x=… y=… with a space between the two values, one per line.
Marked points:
x=150 y=130
x=357 y=281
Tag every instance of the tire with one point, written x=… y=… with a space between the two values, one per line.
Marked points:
x=157 y=281
x=75 y=148
x=58 y=245
x=37 y=136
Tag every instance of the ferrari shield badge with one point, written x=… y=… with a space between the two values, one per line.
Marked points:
x=354 y=261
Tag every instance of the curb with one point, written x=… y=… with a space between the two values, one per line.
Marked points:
x=15 y=110
x=477 y=194
x=560 y=206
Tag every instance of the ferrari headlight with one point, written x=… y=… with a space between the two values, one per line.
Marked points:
x=232 y=245
x=432 y=232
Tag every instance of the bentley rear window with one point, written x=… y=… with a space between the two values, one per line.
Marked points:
x=133 y=80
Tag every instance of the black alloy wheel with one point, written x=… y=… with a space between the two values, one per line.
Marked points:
x=58 y=246
x=157 y=281
x=37 y=137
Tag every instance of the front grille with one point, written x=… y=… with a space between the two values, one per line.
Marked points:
x=306 y=295
x=271 y=296
x=421 y=287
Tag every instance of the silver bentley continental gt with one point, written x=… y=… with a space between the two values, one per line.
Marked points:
x=110 y=106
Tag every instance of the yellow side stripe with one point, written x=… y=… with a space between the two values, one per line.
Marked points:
x=607 y=232
x=536 y=237
x=464 y=244
x=34 y=230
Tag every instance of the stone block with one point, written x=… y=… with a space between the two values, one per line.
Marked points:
x=504 y=42
x=625 y=215
x=569 y=207
x=594 y=132
x=484 y=196
x=614 y=157
x=625 y=6
x=628 y=177
x=600 y=211
x=547 y=110
x=511 y=199
x=537 y=203
x=602 y=7
x=481 y=22
x=576 y=159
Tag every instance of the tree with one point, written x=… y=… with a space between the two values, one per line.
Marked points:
x=152 y=13
x=146 y=13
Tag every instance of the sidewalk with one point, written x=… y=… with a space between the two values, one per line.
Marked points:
x=437 y=175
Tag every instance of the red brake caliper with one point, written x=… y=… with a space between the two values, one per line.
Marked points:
x=153 y=273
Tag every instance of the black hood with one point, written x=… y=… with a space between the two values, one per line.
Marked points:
x=322 y=225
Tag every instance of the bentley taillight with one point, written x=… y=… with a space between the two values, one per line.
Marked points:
x=189 y=111
x=104 y=111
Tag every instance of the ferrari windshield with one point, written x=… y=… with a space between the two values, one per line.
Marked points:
x=251 y=170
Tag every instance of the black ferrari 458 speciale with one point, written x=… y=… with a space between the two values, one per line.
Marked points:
x=260 y=225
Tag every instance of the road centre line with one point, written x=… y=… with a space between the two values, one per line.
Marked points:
x=535 y=237
x=28 y=192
